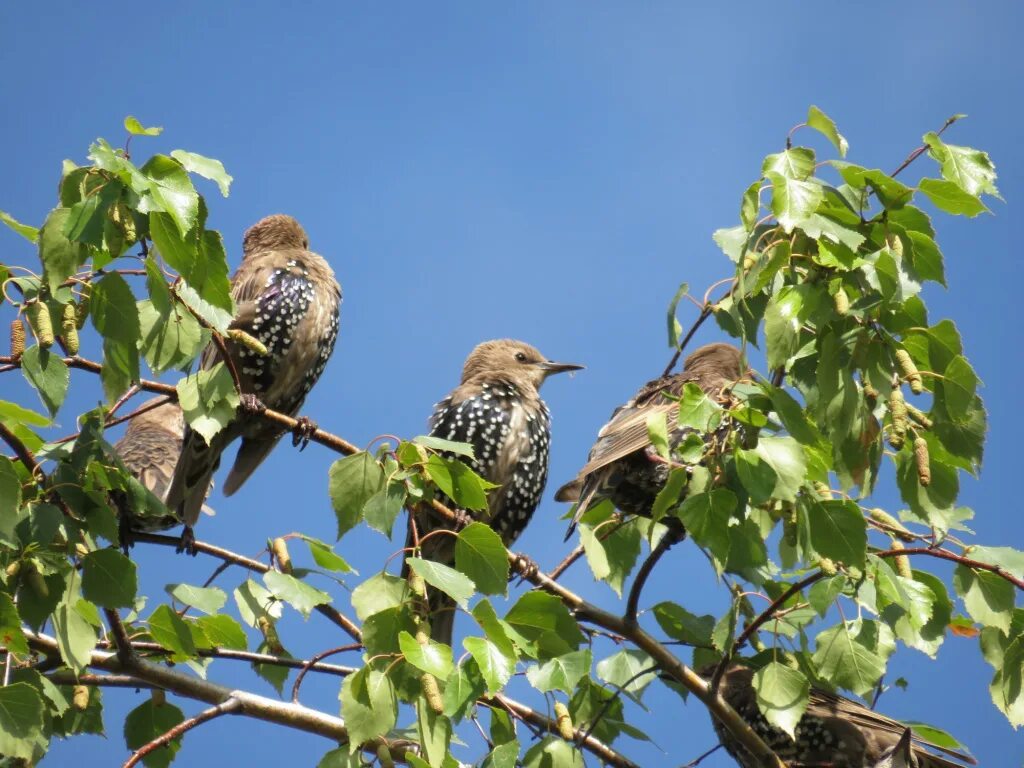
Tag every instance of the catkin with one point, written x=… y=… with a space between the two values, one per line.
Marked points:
x=266 y=626
x=564 y=721
x=250 y=342
x=384 y=756
x=924 y=469
x=909 y=371
x=69 y=329
x=158 y=696
x=841 y=300
x=39 y=320
x=82 y=311
x=80 y=697
x=828 y=566
x=284 y=560
x=898 y=413
x=919 y=416
x=17 y=339
x=902 y=562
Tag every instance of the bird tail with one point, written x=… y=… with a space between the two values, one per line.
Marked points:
x=251 y=454
x=584 y=491
x=194 y=473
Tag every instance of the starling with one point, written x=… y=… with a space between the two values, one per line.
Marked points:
x=835 y=732
x=149 y=450
x=623 y=465
x=287 y=298
x=497 y=409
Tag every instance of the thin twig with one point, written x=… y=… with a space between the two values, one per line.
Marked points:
x=699 y=760
x=923 y=148
x=20 y=450
x=312 y=663
x=619 y=690
x=672 y=536
x=122 y=643
x=945 y=554
x=224 y=708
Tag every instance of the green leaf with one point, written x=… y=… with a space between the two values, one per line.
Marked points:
x=444 y=446
x=113 y=310
x=76 y=637
x=170 y=190
x=434 y=657
x=134 y=127
x=11 y=635
x=679 y=624
x=464 y=686
x=822 y=123
x=781 y=695
x=793 y=201
x=987 y=597
x=838 y=530
x=172 y=633
x=503 y=756
x=458 y=482
x=793 y=163
x=21 y=720
x=297 y=594
x=206 y=167
x=378 y=593
x=823 y=593
x=29 y=233
x=970 y=169
x=353 y=481
x=732 y=241
x=959 y=384
x=44 y=369
x=561 y=673
x=120 y=367
x=109 y=579
x=495 y=665
x=12 y=413
x=169 y=339
x=543 y=618
x=793 y=418
x=552 y=752
x=445 y=578
x=667 y=497
x=205 y=599
x=325 y=556
x=435 y=733
x=706 y=517
x=382 y=509
x=948 y=197
x=60 y=256
x=626 y=670
x=148 y=721
x=657 y=433
x=697 y=410
x=496 y=630
x=208 y=399
x=380 y=631
x=776 y=468
x=613 y=549
x=480 y=554
x=1007 y=687
x=223 y=632
x=675 y=329
x=369 y=706
x=784 y=316
x=852 y=655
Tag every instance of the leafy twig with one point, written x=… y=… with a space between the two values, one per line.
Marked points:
x=224 y=708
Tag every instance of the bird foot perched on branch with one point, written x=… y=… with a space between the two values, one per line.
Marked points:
x=303 y=431
x=187 y=543
x=251 y=404
x=526 y=567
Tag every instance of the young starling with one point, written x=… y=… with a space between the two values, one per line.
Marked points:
x=287 y=298
x=497 y=409
x=835 y=731
x=622 y=465
x=149 y=450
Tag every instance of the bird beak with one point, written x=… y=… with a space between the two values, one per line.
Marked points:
x=550 y=367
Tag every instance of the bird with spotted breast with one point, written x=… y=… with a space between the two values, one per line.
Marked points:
x=149 y=450
x=623 y=466
x=497 y=409
x=834 y=732
x=287 y=298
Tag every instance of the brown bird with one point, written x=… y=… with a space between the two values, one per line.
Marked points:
x=149 y=450
x=287 y=298
x=622 y=465
x=497 y=409
x=835 y=731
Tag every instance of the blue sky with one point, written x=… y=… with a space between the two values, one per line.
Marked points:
x=544 y=171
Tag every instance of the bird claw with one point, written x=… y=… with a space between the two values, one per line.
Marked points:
x=303 y=431
x=526 y=567
x=187 y=543
x=125 y=534
x=251 y=404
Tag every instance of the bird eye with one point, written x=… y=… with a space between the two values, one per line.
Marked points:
x=521 y=357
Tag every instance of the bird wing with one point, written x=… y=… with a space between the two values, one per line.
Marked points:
x=868 y=719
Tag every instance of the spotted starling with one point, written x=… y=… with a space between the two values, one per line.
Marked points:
x=287 y=298
x=623 y=465
x=149 y=450
x=497 y=409
x=835 y=732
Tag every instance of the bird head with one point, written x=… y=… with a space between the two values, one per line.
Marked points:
x=274 y=233
x=716 y=363
x=167 y=417
x=510 y=359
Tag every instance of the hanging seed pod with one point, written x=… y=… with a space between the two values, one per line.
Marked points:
x=158 y=696
x=896 y=528
x=17 y=339
x=250 y=342
x=39 y=320
x=898 y=413
x=80 y=697
x=82 y=311
x=909 y=371
x=266 y=626
x=919 y=416
x=924 y=469
x=869 y=391
x=823 y=491
x=564 y=722
x=69 y=329
x=13 y=569
x=384 y=756
x=895 y=244
x=841 y=301
x=828 y=566
x=284 y=560
x=902 y=562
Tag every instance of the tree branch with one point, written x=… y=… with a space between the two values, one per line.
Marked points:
x=945 y=554
x=25 y=456
x=224 y=708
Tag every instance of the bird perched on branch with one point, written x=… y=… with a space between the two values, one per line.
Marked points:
x=496 y=409
x=149 y=450
x=623 y=466
x=835 y=731
x=287 y=298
